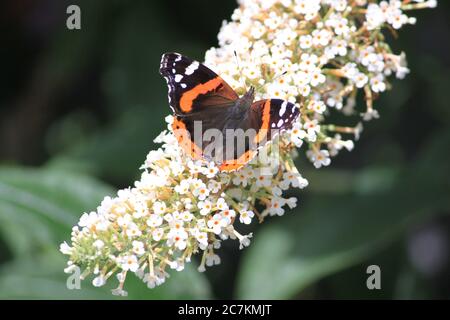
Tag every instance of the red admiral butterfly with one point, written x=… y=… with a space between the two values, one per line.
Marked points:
x=202 y=101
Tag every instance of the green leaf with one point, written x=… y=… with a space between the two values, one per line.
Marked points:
x=39 y=207
x=56 y=195
x=22 y=231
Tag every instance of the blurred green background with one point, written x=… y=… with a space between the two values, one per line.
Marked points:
x=79 y=111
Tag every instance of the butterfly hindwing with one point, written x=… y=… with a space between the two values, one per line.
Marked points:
x=272 y=116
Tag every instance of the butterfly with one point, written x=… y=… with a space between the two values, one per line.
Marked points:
x=210 y=117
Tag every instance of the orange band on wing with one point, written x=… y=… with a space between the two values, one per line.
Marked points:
x=184 y=140
x=262 y=133
x=188 y=97
x=235 y=164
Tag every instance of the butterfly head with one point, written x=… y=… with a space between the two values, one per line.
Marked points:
x=250 y=94
x=243 y=103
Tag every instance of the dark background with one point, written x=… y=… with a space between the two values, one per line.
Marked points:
x=79 y=110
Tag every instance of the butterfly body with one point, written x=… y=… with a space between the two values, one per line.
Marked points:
x=211 y=122
x=239 y=112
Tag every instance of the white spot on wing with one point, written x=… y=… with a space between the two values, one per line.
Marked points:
x=280 y=123
x=170 y=90
x=183 y=85
x=191 y=68
x=283 y=108
x=163 y=62
x=178 y=77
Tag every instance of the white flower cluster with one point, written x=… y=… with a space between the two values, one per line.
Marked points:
x=391 y=12
x=177 y=208
x=316 y=53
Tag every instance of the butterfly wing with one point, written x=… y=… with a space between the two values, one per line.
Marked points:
x=193 y=87
x=267 y=118
x=272 y=116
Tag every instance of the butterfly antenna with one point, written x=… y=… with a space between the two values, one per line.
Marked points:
x=241 y=78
